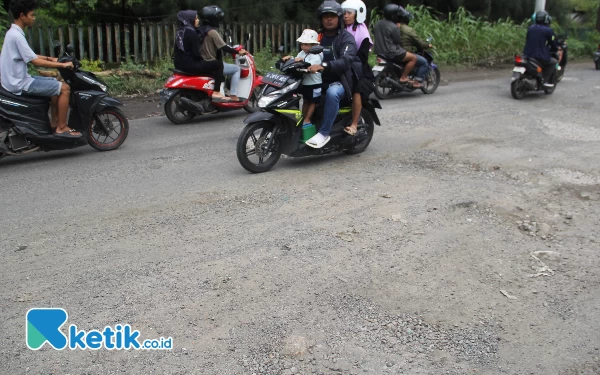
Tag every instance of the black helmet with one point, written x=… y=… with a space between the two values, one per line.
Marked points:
x=329 y=6
x=404 y=15
x=391 y=12
x=211 y=15
x=542 y=18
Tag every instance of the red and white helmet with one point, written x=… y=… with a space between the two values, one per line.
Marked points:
x=359 y=7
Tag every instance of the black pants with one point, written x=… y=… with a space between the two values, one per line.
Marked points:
x=200 y=67
x=548 y=67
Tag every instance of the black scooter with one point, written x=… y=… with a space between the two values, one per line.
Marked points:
x=277 y=128
x=25 y=125
x=528 y=76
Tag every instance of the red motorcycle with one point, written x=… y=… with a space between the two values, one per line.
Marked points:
x=185 y=96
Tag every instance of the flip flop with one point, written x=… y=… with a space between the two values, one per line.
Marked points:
x=68 y=134
x=223 y=99
x=350 y=131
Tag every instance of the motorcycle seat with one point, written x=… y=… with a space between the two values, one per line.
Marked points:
x=181 y=72
x=24 y=98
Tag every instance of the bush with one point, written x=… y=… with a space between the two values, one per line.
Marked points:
x=92 y=66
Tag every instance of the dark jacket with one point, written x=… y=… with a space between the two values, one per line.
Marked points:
x=540 y=41
x=410 y=39
x=388 y=39
x=346 y=63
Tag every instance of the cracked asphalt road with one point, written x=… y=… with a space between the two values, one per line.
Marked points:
x=388 y=262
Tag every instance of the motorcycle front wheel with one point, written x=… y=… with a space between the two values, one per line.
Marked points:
x=108 y=129
x=252 y=150
x=432 y=82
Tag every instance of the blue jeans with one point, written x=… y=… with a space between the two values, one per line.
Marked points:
x=333 y=96
x=421 y=68
x=44 y=86
x=233 y=71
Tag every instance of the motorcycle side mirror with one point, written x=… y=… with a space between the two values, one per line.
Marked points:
x=70 y=49
x=315 y=50
x=280 y=50
x=429 y=40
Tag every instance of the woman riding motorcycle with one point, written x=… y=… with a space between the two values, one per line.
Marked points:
x=355 y=15
x=187 y=52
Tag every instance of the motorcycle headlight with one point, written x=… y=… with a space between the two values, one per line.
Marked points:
x=265 y=100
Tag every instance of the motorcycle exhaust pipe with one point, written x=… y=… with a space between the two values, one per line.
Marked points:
x=191 y=105
x=395 y=84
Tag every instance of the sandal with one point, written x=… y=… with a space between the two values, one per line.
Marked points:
x=350 y=130
x=68 y=134
x=220 y=99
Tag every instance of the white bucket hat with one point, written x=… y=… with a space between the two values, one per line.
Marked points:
x=309 y=37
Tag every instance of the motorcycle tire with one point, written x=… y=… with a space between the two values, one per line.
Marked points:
x=597 y=65
x=252 y=105
x=244 y=153
x=369 y=125
x=103 y=129
x=382 y=92
x=517 y=89
x=435 y=77
x=171 y=113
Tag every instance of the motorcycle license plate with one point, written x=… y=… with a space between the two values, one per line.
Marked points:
x=519 y=69
x=378 y=68
x=275 y=79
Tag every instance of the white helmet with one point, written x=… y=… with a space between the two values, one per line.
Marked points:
x=359 y=7
x=309 y=37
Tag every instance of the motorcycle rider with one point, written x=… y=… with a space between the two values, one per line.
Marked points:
x=411 y=40
x=213 y=46
x=540 y=42
x=388 y=40
x=187 y=56
x=355 y=15
x=340 y=68
x=15 y=55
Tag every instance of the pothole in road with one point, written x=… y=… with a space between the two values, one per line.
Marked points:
x=574 y=177
x=570 y=131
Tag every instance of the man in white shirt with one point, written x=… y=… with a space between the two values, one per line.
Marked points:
x=14 y=57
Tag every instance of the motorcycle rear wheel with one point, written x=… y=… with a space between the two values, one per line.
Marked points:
x=597 y=65
x=108 y=130
x=175 y=113
x=383 y=91
x=517 y=89
x=252 y=144
x=433 y=81
x=364 y=122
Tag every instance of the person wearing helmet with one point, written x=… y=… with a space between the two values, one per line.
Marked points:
x=187 y=55
x=410 y=41
x=388 y=40
x=355 y=15
x=540 y=41
x=340 y=68
x=213 y=45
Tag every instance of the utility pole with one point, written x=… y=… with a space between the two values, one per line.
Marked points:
x=540 y=5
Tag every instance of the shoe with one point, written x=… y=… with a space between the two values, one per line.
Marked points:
x=68 y=134
x=318 y=141
x=548 y=85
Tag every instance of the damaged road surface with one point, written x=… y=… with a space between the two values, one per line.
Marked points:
x=465 y=240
